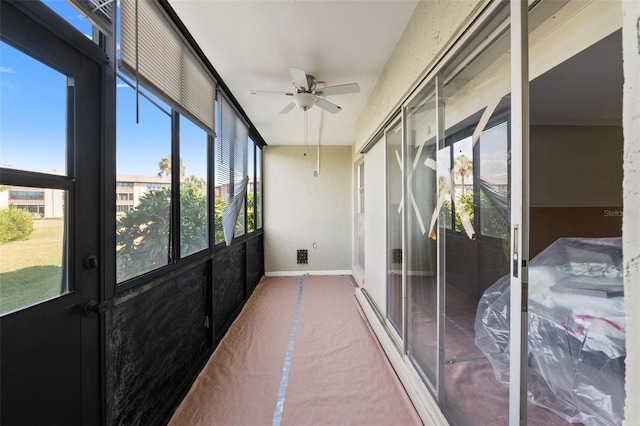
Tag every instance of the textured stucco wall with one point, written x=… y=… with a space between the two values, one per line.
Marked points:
x=631 y=192
x=431 y=29
x=301 y=209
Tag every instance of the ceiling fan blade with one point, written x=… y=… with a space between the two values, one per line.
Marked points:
x=269 y=92
x=288 y=108
x=328 y=106
x=341 y=89
x=299 y=78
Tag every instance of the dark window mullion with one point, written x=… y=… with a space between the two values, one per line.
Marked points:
x=174 y=243
x=211 y=190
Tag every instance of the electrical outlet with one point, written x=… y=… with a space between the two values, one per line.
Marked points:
x=315 y=245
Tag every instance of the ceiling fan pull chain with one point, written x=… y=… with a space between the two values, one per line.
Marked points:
x=306 y=133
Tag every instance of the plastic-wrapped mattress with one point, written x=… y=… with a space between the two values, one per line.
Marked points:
x=576 y=330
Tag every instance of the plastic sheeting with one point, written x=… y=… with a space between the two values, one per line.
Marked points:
x=576 y=330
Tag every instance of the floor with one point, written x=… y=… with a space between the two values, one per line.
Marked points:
x=299 y=353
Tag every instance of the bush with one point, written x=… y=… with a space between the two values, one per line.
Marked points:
x=15 y=224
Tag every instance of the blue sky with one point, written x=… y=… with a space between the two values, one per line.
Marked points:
x=32 y=118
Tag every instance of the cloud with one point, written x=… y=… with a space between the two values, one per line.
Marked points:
x=6 y=70
x=121 y=85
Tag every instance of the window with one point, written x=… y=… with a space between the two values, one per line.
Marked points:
x=230 y=172
x=123 y=208
x=72 y=16
x=26 y=195
x=143 y=152
x=43 y=97
x=33 y=221
x=194 y=201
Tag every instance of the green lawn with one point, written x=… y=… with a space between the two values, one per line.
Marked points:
x=30 y=270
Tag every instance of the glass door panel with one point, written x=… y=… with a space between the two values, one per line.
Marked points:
x=474 y=187
x=576 y=329
x=394 y=227
x=33 y=215
x=421 y=146
x=33 y=246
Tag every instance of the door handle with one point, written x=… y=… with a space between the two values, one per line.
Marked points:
x=93 y=307
x=91 y=261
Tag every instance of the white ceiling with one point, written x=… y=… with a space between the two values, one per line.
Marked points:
x=251 y=44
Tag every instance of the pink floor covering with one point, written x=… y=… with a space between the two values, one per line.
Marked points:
x=338 y=372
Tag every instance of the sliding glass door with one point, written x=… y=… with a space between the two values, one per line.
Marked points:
x=395 y=262
x=475 y=189
x=422 y=184
x=496 y=338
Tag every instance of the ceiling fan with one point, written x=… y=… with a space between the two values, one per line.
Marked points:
x=306 y=93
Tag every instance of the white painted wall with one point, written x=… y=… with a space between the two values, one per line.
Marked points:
x=631 y=218
x=301 y=209
x=576 y=166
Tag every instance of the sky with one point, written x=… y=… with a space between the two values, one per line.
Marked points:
x=33 y=110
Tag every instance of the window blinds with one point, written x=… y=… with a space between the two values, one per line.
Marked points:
x=231 y=164
x=154 y=52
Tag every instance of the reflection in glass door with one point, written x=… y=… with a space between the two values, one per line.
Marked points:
x=394 y=227
x=422 y=294
x=474 y=230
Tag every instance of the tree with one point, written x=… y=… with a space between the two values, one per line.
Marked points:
x=194 y=222
x=463 y=167
x=467 y=204
x=143 y=237
x=251 y=217
x=165 y=167
x=218 y=208
x=195 y=182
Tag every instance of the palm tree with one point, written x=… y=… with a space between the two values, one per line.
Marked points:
x=165 y=167
x=464 y=167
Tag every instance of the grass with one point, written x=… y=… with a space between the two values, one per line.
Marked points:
x=31 y=270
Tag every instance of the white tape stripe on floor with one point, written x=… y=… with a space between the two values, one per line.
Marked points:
x=277 y=414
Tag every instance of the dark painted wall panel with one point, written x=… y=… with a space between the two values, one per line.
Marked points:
x=228 y=287
x=255 y=261
x=155 y=338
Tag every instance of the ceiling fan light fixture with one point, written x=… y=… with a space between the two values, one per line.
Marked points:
x=304 y=100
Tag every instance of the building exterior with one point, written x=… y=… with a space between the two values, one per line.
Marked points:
x=129 y=189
